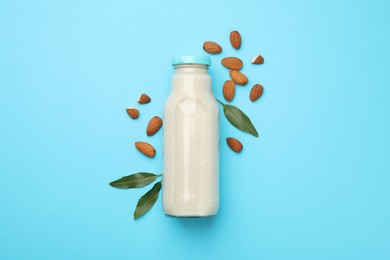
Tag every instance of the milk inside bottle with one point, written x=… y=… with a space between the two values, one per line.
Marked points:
x=191 y=141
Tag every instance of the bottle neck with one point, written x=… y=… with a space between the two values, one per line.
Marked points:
x=191 y=68
x=191 y=79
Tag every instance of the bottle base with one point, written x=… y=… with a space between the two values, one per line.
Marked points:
x=190 y=214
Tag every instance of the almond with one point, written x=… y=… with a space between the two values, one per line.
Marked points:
x=228 y=90
x=232 y=63
x=256 y=92
x=235 y=39
x=258 y=59
x=154 y=125
x=238 y=77
x=144 y=99
x=132 y=112
x=212 y=47
x=234 y=144
x=145 y=148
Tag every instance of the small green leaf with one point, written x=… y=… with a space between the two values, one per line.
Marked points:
x=137 y=180
x=238 y=119
x=147 y=201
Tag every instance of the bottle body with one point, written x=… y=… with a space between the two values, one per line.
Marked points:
x=191 y=145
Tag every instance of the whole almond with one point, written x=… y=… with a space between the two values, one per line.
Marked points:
x=232 y=63
x=153 y=126
x=234 y=144
x=228 y=90
x=144 y=99
x=132 y=112
x=235 y=39
x=256 y=92
x=145 y=148
x=238 y=77
x=258 y=59
x=212 y=47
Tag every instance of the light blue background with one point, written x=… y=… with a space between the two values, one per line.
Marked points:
x=314 y=185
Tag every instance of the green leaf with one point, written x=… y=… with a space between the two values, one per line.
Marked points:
x=238 y=119
x=147 y=201
x=137 y=180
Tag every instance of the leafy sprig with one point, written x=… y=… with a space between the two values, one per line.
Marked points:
x=139 y=180
x=238 y=119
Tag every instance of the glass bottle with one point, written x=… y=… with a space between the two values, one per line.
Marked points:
x=191 y=141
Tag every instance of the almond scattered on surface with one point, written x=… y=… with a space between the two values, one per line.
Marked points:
x=232 y=63
x=234 y=144
x=212 y=47
x=256 y=92
x=145 y=148
x=235 y=39
x=258 y=59
x=238 y=77
x=154 y=125
x=132 y=112
x=229 y=89
x=144 y=99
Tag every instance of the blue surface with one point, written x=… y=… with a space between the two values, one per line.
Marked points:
x=314 y=185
